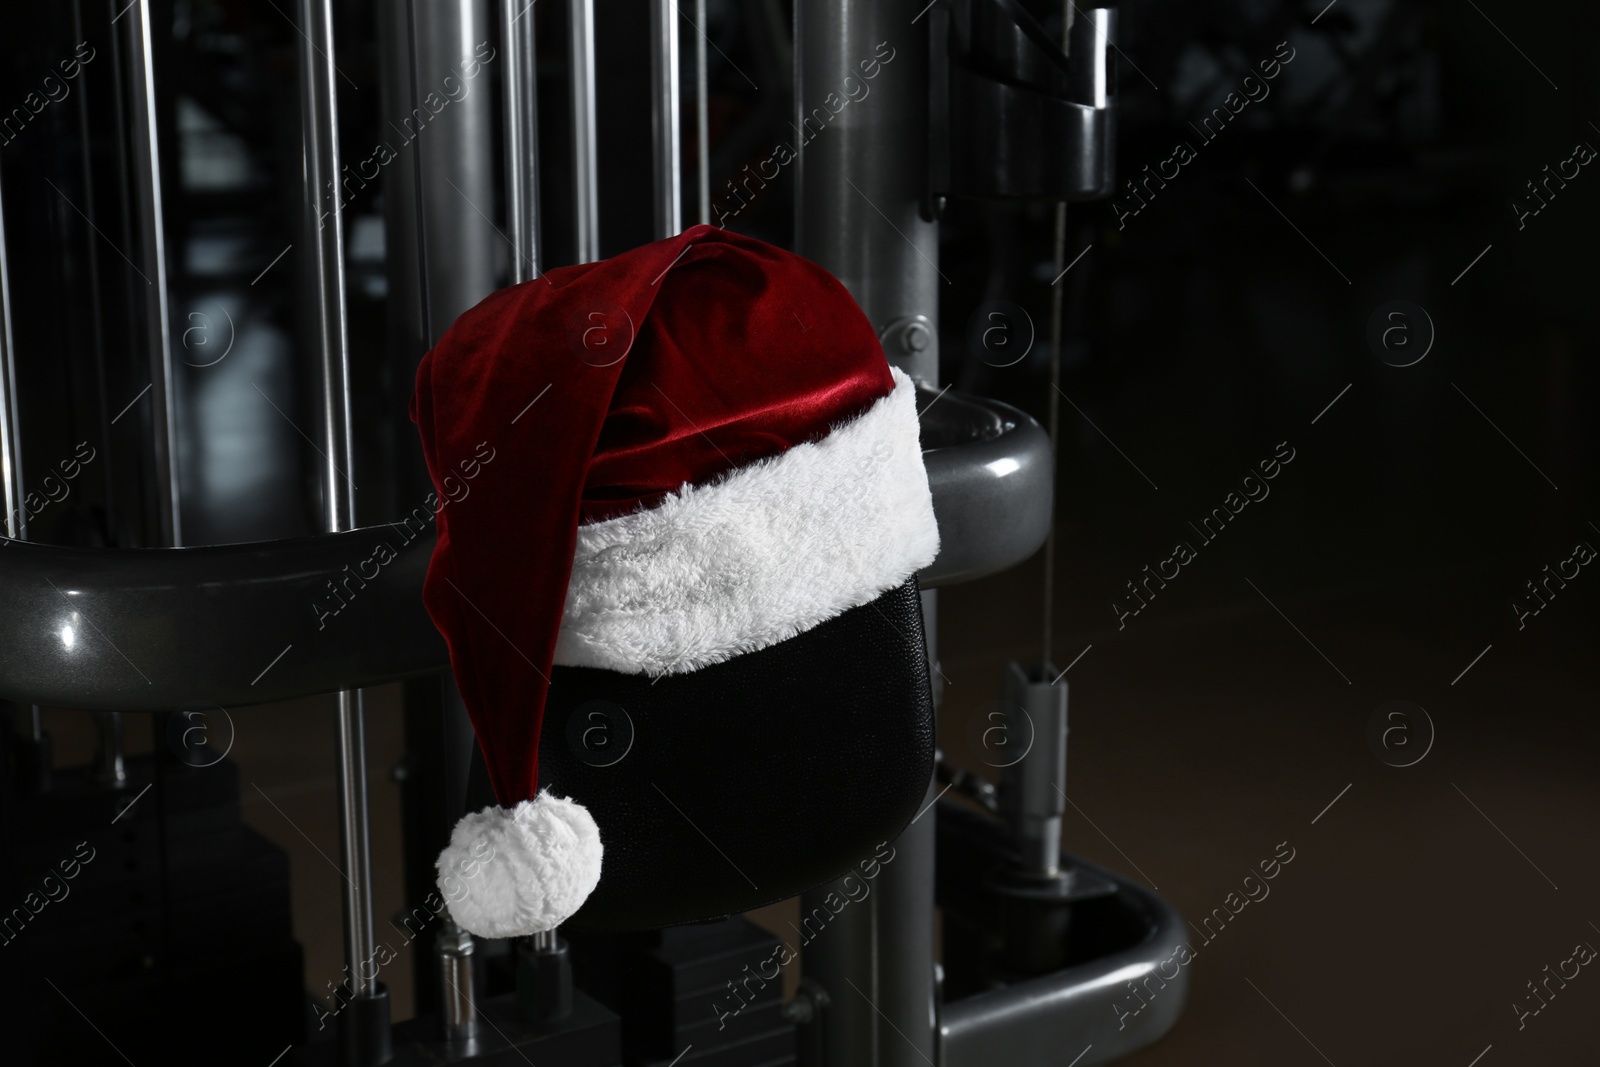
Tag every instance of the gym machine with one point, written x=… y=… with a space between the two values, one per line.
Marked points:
x=1042 y=951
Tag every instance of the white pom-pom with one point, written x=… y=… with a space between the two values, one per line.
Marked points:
x=510 y=872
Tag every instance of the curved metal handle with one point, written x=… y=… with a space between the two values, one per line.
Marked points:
x=157 y=629
x=992 y=476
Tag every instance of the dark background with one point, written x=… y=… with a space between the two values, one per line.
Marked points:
x=1229 y=315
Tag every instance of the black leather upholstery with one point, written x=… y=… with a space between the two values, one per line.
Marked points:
x=749 y=781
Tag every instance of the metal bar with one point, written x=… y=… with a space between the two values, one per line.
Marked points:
x=859 y=213
x=231 y=624
x=455 y=156
x=458 y=1014
x=702 y=116
x=10 y=432
x=444 y=255
x=1053 y=398
x=89 y=102
x=16 y=520
x=666 y=118
x=1034 y=795
x=153 y=253
x=522 y=136
x=324 y=220
x=585 y=166
x=325 y=227
x=112 y=769
x=410 y=332
x=1090 y=1010
x=864 y=171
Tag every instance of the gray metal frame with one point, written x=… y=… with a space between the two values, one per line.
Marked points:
x=1073 y=1012
x=859 y=213
x=862 y=211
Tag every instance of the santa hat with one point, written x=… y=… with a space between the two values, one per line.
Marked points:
x=650 y=464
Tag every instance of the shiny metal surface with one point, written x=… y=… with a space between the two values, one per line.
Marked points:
x=992 y=476
x=1088 y=48
x=150 y=629
x=521 y=136
x=463 y=255
x=458 y=1014
x=1075 y=1012
x=702 y=117
x=863 y=172
x=1034 y=797
x=324 y=229
x=324 y=226
x=408 y=330
x=1018 y=114
x=110 y=749
x=153 y=267
x=666 y=112
x=11 y=491
x=226 y=625
x=585 y=142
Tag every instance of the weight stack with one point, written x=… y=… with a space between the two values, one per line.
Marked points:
x=157 y=923
x=702 y=995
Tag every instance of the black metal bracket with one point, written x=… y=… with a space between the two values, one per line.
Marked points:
x=1012 y=115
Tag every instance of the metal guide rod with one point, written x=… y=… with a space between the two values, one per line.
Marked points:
x=458 y=1014
x=16 y=523
x=585 y=168
x=702 y=117
x=862 y=177
x=153 y=253
x=665 y=120
x=522 y=136
x=456 y=176
x=16 y=520
x=325 y=228
x=1053 y=398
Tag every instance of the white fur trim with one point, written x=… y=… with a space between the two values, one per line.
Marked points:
x=767 y=552
x=510 y=872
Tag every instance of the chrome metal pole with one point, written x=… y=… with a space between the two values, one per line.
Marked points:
x=522 y=136
x=860 y=214
x=458 y=1014
x=16 y=525
x=585 y=166
x=455 y=159
x=702 y=117
x=153 y=253
x=863 y=172
x=324 y=222
x=112 y=769
x=16 y=521
x=667 y=104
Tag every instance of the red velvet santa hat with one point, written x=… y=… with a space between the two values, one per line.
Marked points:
x=680 y=455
